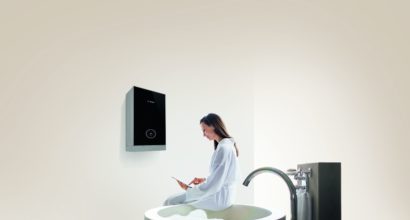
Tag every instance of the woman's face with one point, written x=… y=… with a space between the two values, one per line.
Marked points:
x=208 y=132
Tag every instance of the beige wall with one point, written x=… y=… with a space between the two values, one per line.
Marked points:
x=65 y=69
x=303 y=81
x=333 y=84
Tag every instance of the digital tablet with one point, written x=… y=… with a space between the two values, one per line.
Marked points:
x=181 y=182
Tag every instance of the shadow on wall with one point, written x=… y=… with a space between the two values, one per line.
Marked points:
x=130 y=159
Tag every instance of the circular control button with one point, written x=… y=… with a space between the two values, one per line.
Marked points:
x=150 y=133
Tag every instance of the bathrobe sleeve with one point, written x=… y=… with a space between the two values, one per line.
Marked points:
x=216 y=179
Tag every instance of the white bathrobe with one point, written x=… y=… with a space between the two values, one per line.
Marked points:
x=219 y=190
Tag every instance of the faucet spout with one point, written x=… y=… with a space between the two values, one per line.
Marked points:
x=289 y=183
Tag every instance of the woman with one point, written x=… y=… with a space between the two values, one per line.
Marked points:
x=218 y=190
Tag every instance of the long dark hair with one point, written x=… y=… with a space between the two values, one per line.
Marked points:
x=214 y=120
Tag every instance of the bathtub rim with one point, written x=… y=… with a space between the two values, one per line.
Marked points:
x=152 y=214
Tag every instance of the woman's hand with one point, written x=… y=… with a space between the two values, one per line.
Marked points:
x=182 y=185
x=197 y=181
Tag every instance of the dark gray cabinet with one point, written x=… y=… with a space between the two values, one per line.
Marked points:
x=325 y=190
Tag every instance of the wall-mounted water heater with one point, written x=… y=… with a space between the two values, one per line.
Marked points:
x=145 y=120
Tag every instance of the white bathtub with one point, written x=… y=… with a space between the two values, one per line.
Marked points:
x=235 y=212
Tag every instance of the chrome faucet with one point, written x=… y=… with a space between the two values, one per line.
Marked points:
x=292 y=189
